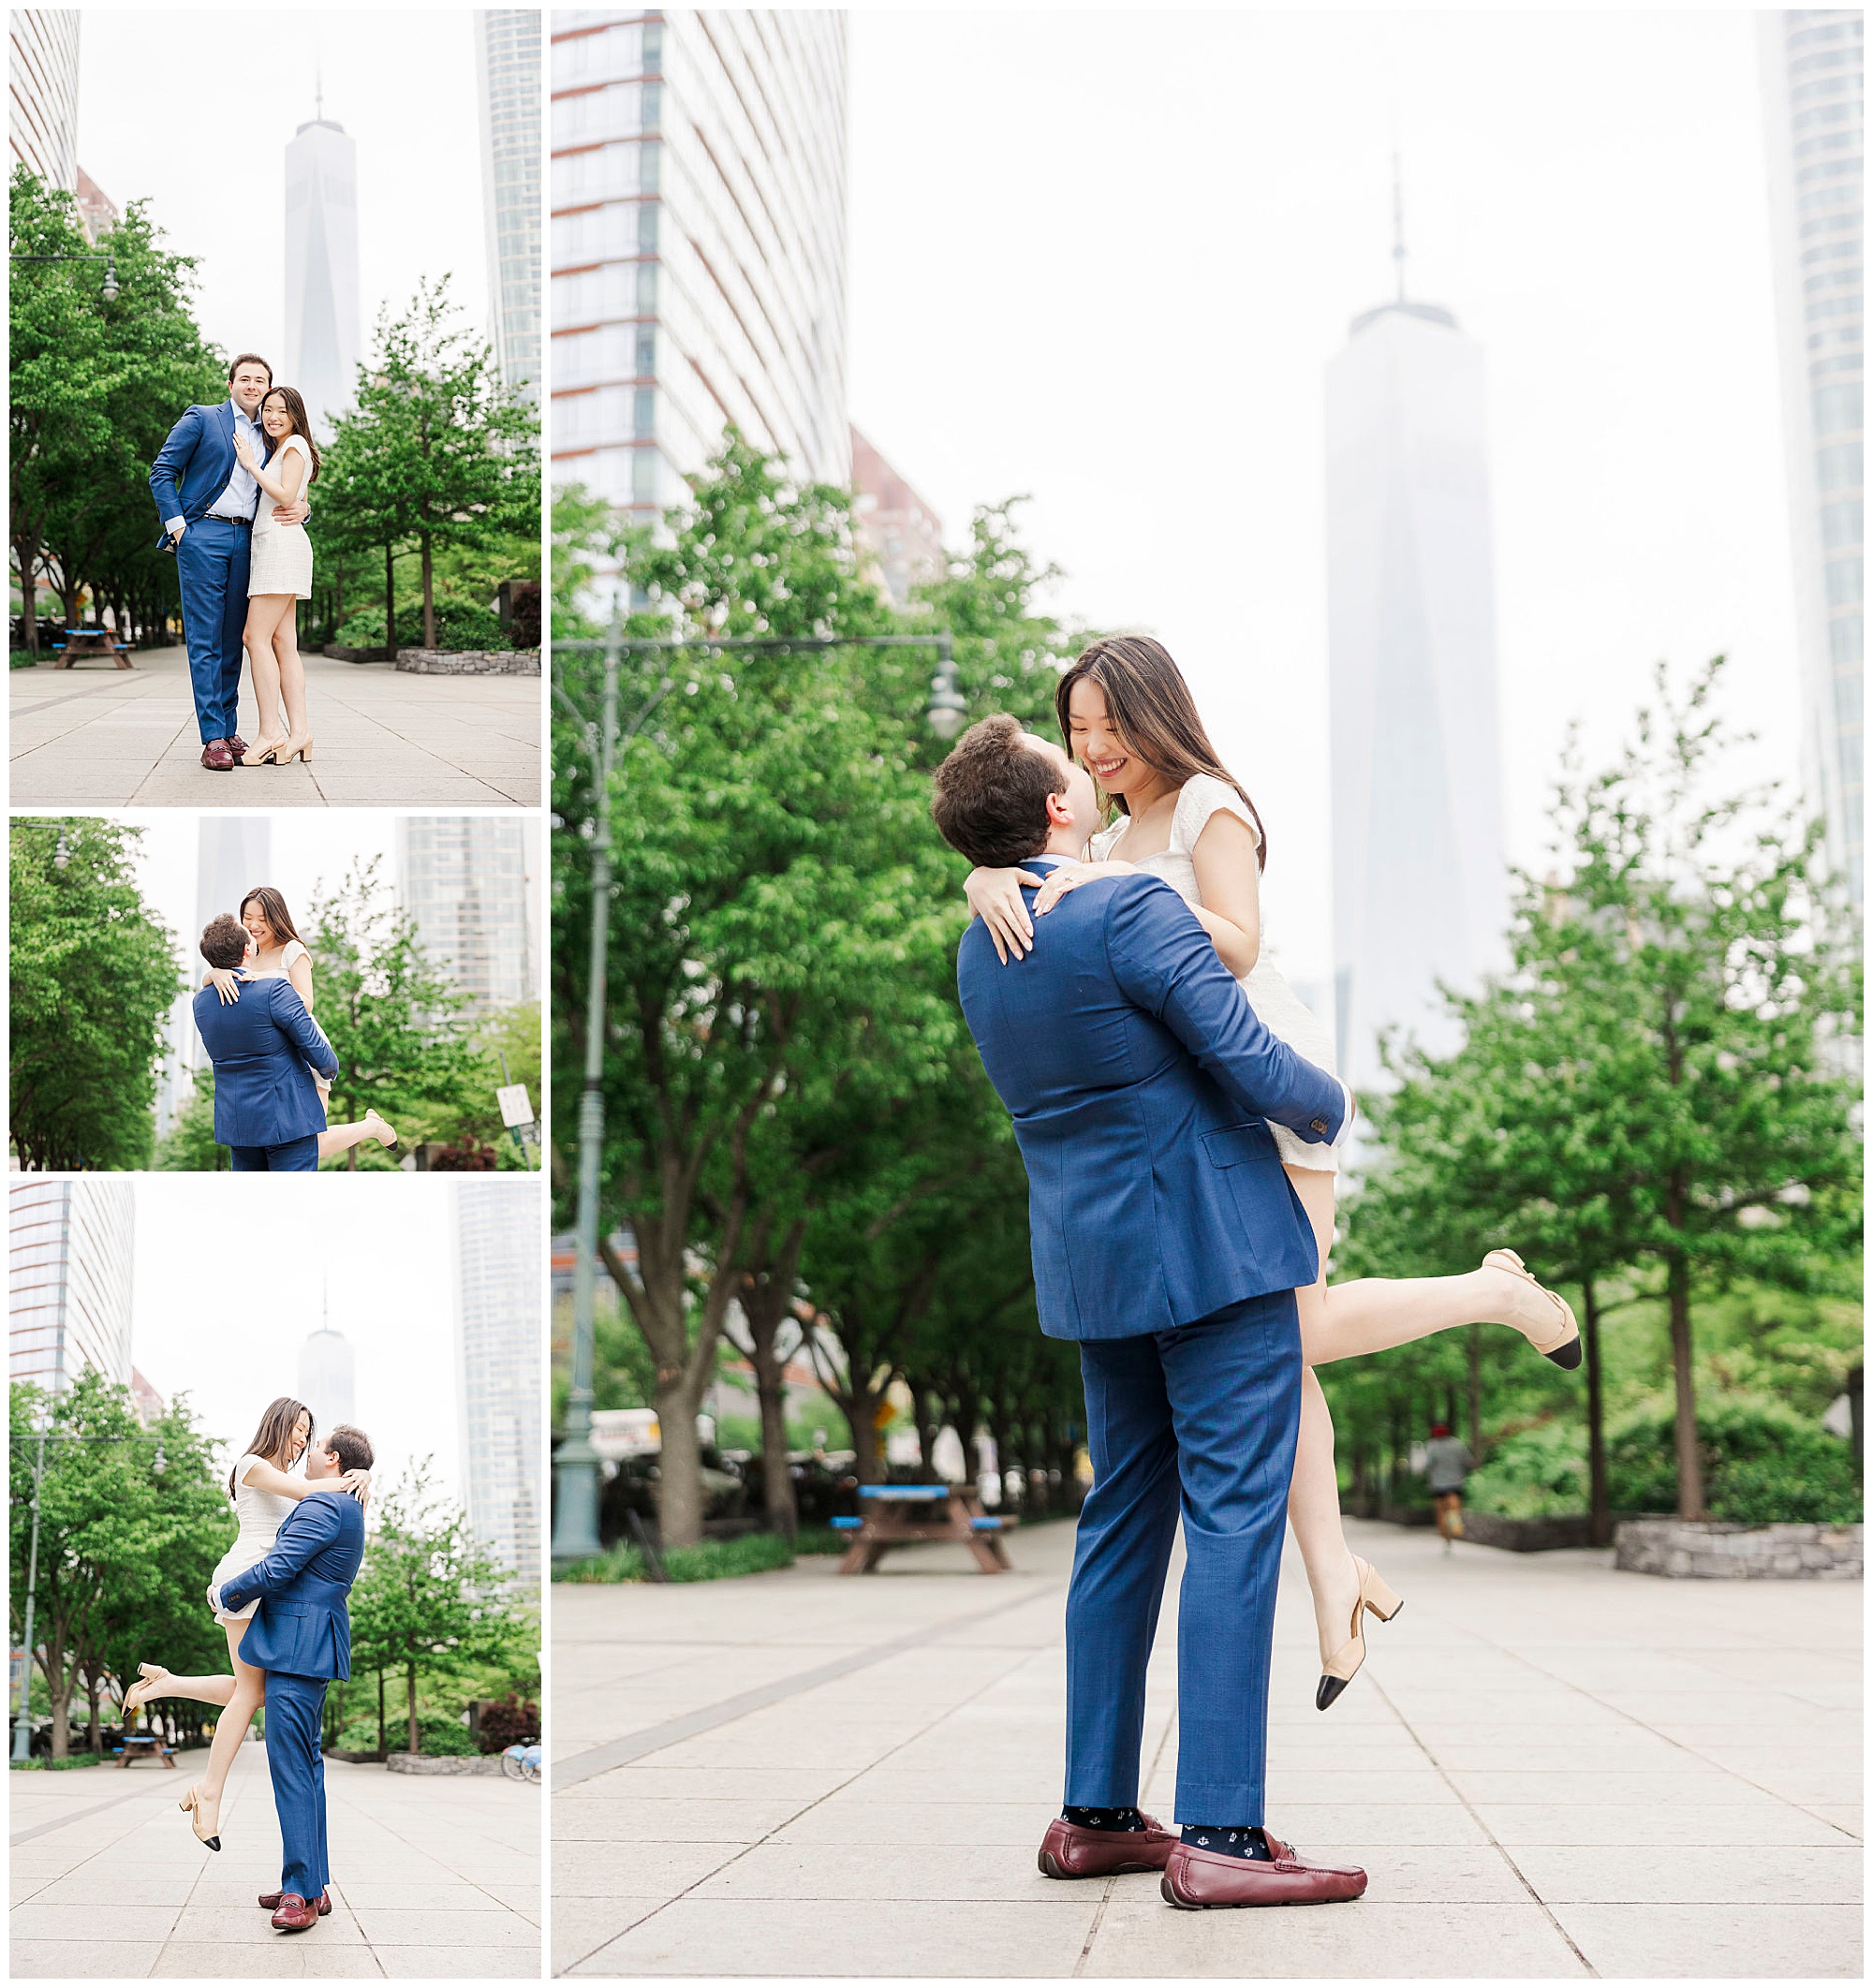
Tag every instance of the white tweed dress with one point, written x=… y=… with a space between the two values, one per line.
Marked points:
x=1281 y=1010
x=281 y=559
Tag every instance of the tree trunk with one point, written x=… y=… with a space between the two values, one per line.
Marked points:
x=679 y=1483
x=1599 y=1501
x=97 y=1740
x=428 y=597
x=415 y=1737
x=26 y=551
x=783 y=1516
x=58 y=1702
x=391 y=601
x=1691 y=1467
x=383 y=1743
x=859 y=1412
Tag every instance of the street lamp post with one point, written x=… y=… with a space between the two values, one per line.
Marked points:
x=575 y=1463
x=109 y=292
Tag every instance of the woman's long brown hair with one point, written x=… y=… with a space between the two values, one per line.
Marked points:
x=1151 y=708
x=273 y=909
x=301 y=426
x=273 y=1439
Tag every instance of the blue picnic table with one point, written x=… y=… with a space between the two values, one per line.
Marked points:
x=907 y=1514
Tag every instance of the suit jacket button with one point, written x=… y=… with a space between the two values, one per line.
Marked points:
x=1320 y=1126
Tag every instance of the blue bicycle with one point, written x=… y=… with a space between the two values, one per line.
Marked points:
x=521 y=1763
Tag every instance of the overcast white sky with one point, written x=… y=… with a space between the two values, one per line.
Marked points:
x=195 y=109
x=230 y=1276
x=309 y=845
x=1105 y=257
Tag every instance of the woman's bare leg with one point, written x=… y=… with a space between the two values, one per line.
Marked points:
x=341 y=1139
x=1371 y=1314
x=263 y=615
x=231 y=1728
x=1314 y=1491
x=292 y=669
x=209 y=1690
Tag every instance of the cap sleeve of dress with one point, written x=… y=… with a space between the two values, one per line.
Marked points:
x=1203 y=795
x=242 y=1468
x=291 y=952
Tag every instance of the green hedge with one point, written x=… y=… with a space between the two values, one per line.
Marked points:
x=459 y=624
x=1764 y=1464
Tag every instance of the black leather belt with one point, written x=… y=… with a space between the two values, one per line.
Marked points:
x=214 y=517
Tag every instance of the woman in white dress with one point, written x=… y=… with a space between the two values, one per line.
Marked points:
x=279 y=577
x=279 y=955
x=1127 y=715
x=262 y=1492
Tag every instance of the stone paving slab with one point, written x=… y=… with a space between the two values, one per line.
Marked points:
x=1547 y=1770
x=427 y=1871
x=382 y=737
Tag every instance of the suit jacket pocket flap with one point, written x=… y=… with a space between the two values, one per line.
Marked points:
x=1235 y=1145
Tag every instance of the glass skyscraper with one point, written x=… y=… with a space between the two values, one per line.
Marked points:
x=699 y=245
x=321 y=245
x=497 y=1346
x=507 y=73
x=42 y=110
x=468 y=882
x=69 y=1280
x=1814 y=104
x=1420 y=885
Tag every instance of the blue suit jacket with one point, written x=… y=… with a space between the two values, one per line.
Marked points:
x=303 y=1626
x=260 y=1046
x=193 y=466
x=1140 y=1079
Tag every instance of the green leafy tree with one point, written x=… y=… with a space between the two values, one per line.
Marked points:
x=95 y=387
x=436 y=454
x=189 y=1145
x=1655 y=1090
x=429 y=1600
x=93 y=976
x=402 y=1033
x=114 y=1536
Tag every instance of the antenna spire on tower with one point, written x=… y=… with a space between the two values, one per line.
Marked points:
x=318 y=93
x=1398 y=224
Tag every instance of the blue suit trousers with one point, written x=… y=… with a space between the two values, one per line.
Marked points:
x=295 y=1709
x=1200 y=1420
x=297 y=1155
x=212 y=567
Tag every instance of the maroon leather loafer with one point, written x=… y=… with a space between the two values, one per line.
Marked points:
x=218 y=756
x=295 y=1915
x=1066 y=1850
x=269 y=1902
x=1196 y=1880
x=237 y=746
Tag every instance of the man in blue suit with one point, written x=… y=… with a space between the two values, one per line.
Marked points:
x=264 y=1047
x=207 y=503
x=301 y=1637
x=1167 y=1242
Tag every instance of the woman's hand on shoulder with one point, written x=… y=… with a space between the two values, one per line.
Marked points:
x=1070 y=875
x=994 y=897
x=226 y=982
x=358 y=1483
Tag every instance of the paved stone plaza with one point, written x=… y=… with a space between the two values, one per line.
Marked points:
x=95 y=736
x=433 y=1878
x=1548 y=1768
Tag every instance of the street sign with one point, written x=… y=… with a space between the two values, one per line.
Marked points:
x=515 y=1108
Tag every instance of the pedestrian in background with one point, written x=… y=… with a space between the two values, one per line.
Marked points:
x=1446 y=1464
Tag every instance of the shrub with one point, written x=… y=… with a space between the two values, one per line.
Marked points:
x=459 y=624
x=506 y=1723
x=447 y=1736
x=756 y=1552
x=1539 y=1473
x=1763 y=1463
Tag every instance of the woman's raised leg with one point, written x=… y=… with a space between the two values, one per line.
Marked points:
x=263 y=615
x=341 y=1139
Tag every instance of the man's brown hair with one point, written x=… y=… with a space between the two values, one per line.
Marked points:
x=247 y=359
x=990 y=801
x=351 y=1447
x=224 y=941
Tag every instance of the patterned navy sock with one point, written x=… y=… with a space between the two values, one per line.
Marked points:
x=1228 y=1841
x=1118 y=1818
